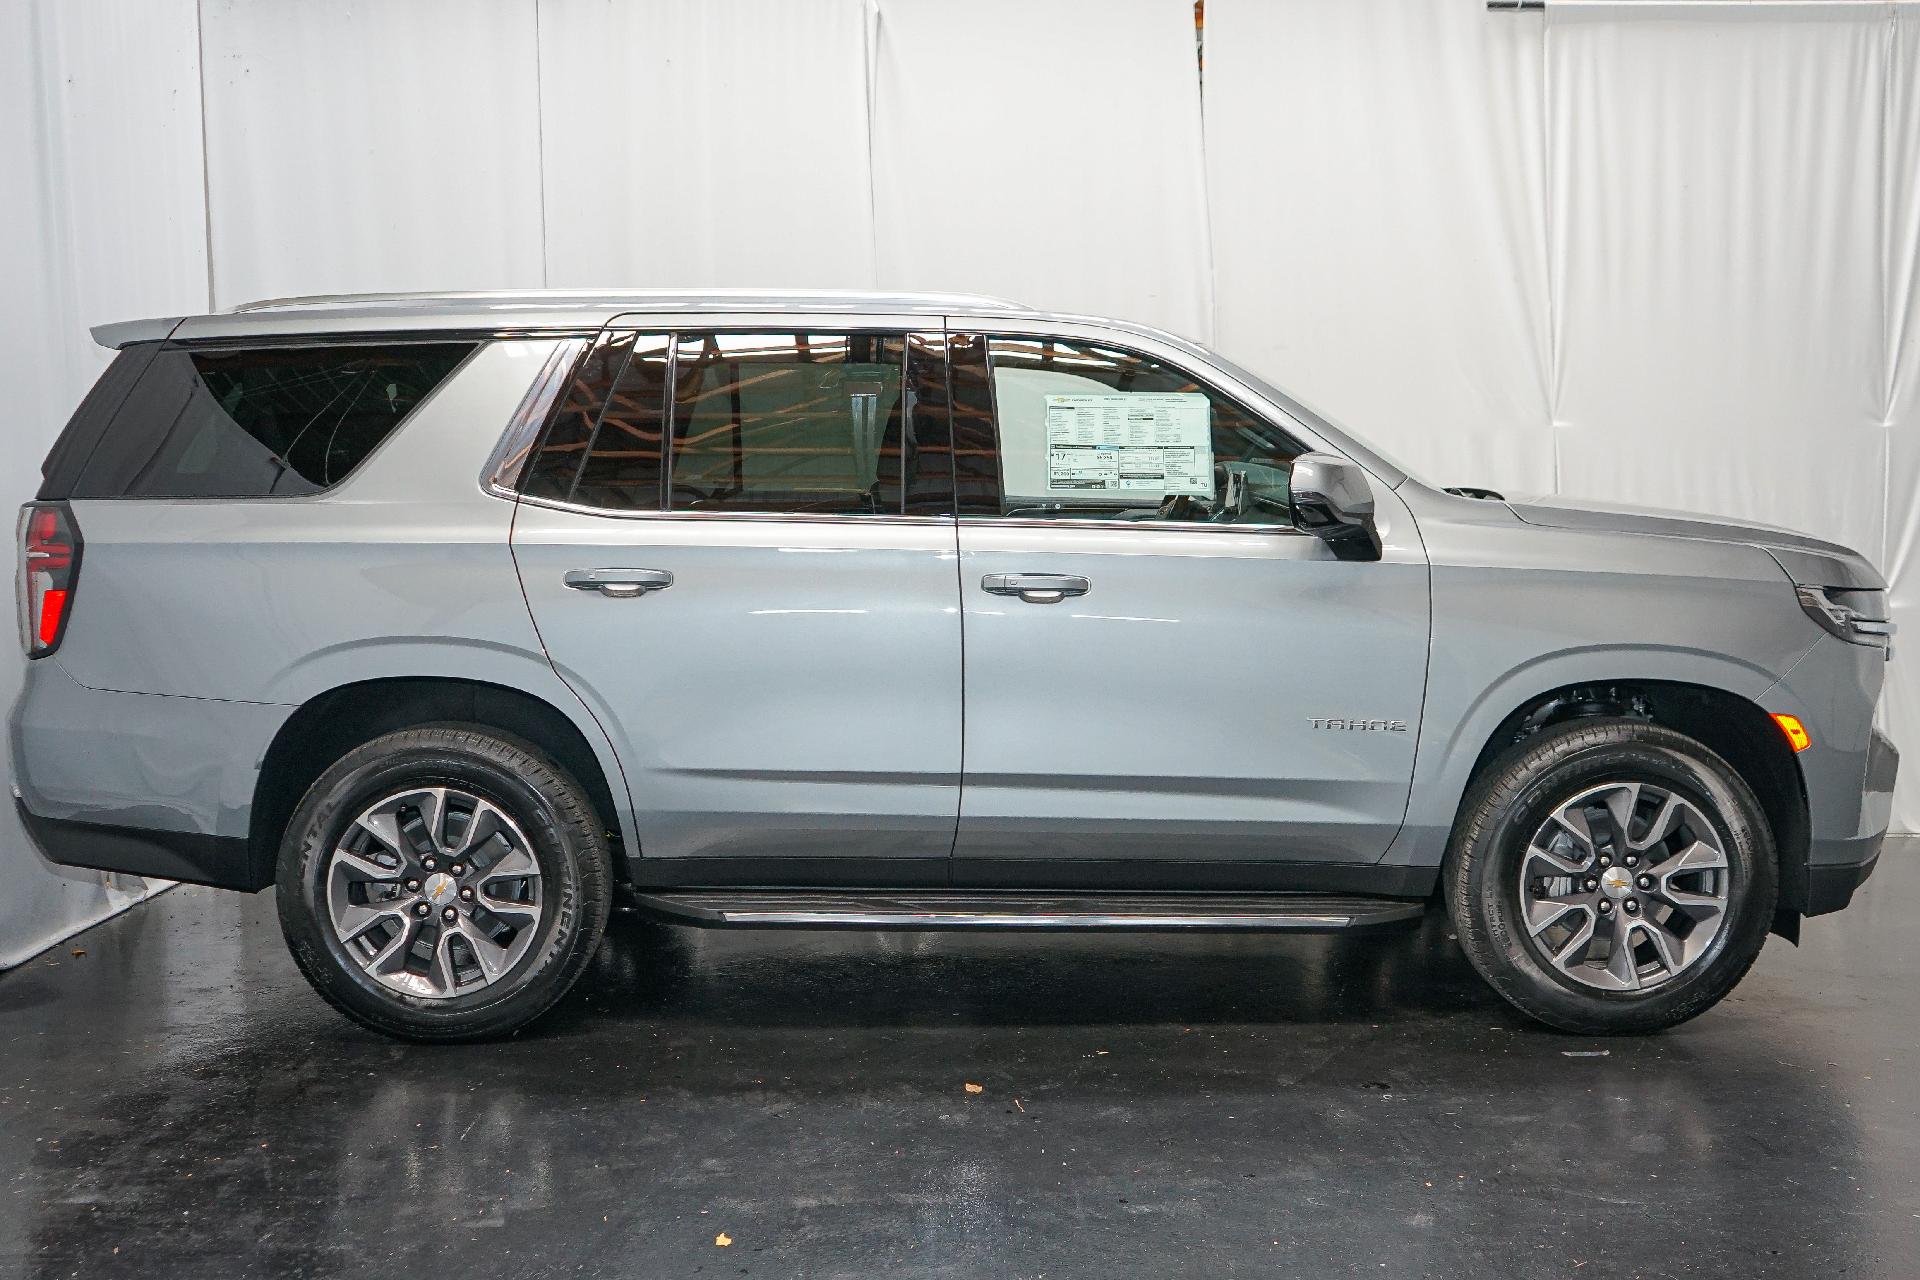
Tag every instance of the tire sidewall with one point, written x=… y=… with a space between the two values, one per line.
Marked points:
x=426 y=758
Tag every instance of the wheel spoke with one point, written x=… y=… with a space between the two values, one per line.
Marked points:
x=1574 y=950
x=486 y=822
x=1544 y=913
x=388 y=959
x=1698 y=856
x=492 y=959
x=1573 y=819
x=1621 y=966
x=359 y=867
x=440 y=972
x=1663 y=823
x=1665 y=943
x=385 y=828
x=1565 y=866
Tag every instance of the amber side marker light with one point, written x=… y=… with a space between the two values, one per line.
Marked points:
x=1796 y=732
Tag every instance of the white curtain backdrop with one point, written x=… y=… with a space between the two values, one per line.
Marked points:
x=725 y=143
x=102 y=213
x=1050 y=153
x=1376 y=175
x=1662 y=253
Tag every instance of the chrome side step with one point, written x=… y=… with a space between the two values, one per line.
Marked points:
x=972 y=909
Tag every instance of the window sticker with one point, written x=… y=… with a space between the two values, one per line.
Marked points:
x=1142 y=444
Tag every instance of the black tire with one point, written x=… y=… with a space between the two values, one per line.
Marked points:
x=1505 y=807
x=565 y=839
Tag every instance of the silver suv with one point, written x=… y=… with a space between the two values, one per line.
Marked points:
x=452 y=616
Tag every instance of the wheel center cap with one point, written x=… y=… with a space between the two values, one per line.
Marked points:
x=439 y=889
x=1616 y=882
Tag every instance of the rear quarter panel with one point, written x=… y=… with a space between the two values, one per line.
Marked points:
x=402 y=570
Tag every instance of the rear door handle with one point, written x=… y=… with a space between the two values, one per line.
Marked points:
x=1036 y=588
x=619 y=583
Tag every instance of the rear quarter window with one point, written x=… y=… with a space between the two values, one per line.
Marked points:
x=259 y=422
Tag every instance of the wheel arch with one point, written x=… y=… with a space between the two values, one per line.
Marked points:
x=1732 y=726
x=328 y=725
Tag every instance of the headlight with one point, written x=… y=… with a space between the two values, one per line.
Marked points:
x=1858 y=617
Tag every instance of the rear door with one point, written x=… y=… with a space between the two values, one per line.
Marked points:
x=1159 y=668
x=738 y=546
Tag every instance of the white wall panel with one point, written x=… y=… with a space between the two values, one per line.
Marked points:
x=1715 y=237
x=707 y=144
x=389 y=146
x=1375 y=177
x=101 y=205
x=1900 y=389
x=1049 y=153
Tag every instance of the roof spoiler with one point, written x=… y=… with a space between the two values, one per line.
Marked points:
x=123 y=333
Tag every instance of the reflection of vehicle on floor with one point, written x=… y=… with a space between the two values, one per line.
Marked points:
x=450 y=615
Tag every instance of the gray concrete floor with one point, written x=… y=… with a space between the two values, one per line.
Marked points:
x=175 y=1101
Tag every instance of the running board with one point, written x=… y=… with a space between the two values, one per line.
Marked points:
x=955 y=909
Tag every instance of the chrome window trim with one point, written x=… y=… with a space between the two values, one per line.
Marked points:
x=1128 y=526
x=501 y=472
x=757 y=517
x=365 y=337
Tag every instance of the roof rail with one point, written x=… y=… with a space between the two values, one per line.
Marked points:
x=624 y=296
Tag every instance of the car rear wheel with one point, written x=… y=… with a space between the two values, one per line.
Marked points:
x=444 y=883
x=1611 y=876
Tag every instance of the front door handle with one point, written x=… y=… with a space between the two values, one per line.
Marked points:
x=1036 y=588
x=619 y=583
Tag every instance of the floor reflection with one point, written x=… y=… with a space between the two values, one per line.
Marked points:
x=177 y=1102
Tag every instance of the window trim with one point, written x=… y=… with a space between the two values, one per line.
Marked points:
x=786 y=517
x=500 y=475
x=1126 y=344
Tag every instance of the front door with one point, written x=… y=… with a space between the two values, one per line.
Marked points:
x=1159 y=668
x=762 y=613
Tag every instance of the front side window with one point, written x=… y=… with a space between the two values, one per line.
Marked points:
x=214 y=423
x=1093 y=432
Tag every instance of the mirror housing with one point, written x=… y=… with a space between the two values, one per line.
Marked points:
x=1333 y=502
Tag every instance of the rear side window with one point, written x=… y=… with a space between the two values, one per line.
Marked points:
x=813 y=423
x=269 y=421
x=789 y=422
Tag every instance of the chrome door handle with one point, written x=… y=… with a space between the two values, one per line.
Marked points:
x=619 y=583
x=1036 y=588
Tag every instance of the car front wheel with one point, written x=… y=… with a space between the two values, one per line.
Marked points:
x=1611 y=876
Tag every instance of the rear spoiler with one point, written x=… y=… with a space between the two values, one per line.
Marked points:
x=126 y=332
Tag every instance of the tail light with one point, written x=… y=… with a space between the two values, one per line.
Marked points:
x=49 y=572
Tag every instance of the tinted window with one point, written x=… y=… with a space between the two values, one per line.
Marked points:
x=555 y=464
x=773 y=423
x=268 y=421
x=624 y=466
x=1094 y=432
x=92 y=419
x=785 y=422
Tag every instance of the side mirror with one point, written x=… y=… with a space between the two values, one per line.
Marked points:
x=1333 y=502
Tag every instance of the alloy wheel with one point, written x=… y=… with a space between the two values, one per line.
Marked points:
x=434 y=892
x=1624 y=887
